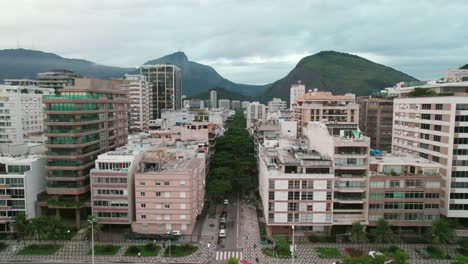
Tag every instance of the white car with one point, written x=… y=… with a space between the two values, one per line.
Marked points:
x=223 y=220
x=174 y=233
x=222 y=233
x=226 y=202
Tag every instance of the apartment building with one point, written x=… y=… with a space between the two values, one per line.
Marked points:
x=316 y=182
x=376 y=121
x=224 y=104
x=193 y=131
x=337 y=111
x=112 y=186
x=138 y=92
x=83 y=121
x=169 y=190
x=213 y=99
x=404 y=190
x=277 y=104
x=166 y=89
x=21 y=112
x=456 y=75
x=297 y=90
x=21 y=82
x=436 y=128
x=57 y=79
x=235 y=104
x=255 y=112
x=22 y=178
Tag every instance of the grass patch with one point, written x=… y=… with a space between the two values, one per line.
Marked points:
x=432 y=252
x=180 y=250
x=43 y=249
x=328 y=253
x=281 y=250
x=148 y=250
x=105 y=250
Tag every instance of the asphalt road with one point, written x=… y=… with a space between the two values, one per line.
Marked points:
x=230 y=242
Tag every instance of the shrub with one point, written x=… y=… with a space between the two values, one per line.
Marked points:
x=432 y=252
x=3 y=245
x=42 y=249
x=354 y=252
x=328 y=253
x=320 y=238
x=133 y=250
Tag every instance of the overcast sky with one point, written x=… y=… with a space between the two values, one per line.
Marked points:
x=246 y=41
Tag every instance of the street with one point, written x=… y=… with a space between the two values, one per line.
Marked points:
x=230 y=242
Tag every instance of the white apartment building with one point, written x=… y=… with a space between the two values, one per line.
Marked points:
x=22 y=178
x=21 y=112
x=139 y=93
x=214 y=99
x=277 y=104
x=255 y=112
x=236 y=104
x=296 y=91
x=112 y=186
x=456 y=75
x=224 y=104
x=436 y=128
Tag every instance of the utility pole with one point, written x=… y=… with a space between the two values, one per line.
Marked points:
x=293 y=246
x=92 y=220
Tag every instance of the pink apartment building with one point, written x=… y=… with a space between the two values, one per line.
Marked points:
x=194 y=131
x=169 y=190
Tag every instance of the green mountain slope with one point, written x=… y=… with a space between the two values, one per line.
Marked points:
x=339 y=73
x=222 y=93
x=464 y=67
x=197 y=78
x=22 y=63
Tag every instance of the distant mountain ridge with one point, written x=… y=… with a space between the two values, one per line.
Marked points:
x=339 y=73
x=464 y=67
x=22 y=63
x=197 y=78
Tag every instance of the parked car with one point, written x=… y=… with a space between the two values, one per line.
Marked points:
x=226 y=202
x=224 y=214
x=223 y=220
x=222 y=225
x=174 y=232
x=222 y=233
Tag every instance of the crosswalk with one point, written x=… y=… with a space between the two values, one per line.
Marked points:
x=225 y=255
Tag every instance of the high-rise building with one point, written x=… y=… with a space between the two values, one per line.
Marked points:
x=214 y=99
x=457 y=75
x=376 y=121
x=277 y=104
x=112 y=186
x=166 y=87
x=338 y=112
x=224 y=104
x=296 y=91
x=435 y=128
x=255 y=112
x=83 y=121
x=235 y=104
x=21 y=112
x=138 y=92
x=57 y=79
x=22 y=178
x=245 y=104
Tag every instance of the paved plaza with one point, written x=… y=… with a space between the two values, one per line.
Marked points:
x=249 y=248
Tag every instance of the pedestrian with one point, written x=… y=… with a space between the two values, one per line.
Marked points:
x=255 y=246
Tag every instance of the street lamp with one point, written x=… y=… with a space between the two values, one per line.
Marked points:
x=92 y=220
x=292 y=247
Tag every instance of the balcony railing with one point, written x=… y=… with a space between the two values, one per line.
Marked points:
x=71 y=97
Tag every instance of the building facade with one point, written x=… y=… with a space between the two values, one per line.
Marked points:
x=22 y=178
x=214 y=99
x=277 y=104
x=112 y=186
x=166 y=87
x=255 y=112
x=21 y=112
x=83 y=121
x=138 y=92
x=376 y=121
x=235 y=104
x=297 y=90
x=57 y=79
x=224 y=104
x=436 y=128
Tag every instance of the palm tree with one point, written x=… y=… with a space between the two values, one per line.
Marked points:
x=37 y=229
x=442 y=232
x=382 y=232
x=20 y=226
x=55 y=229
x=89 y=228
x=358 y=235
x=400 y=257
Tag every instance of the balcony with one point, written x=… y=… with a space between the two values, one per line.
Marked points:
x=72 y=97
x=71 y=188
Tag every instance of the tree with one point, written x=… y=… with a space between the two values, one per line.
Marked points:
x=232 y=260
x=419 y=92
x=217 y=189
x=37 y=228
x=358 y=235
x=383 y=232
x=441 y=232
x=54 y=228
x=400 y=257
x=95 y=228
x=459 y=260
x=20 y=226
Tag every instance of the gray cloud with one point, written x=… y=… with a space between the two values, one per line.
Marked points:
x=246 y=41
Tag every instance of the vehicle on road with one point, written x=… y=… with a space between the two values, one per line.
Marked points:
x=222 y=225
x=222 y=233
x=223 y=220
x=226 y=202
x=224 y=214
x=174 y=232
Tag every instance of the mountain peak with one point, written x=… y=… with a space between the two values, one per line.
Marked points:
x=178 y=58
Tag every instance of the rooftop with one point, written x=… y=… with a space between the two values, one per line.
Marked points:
x=401 y=159
x=19 y=159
